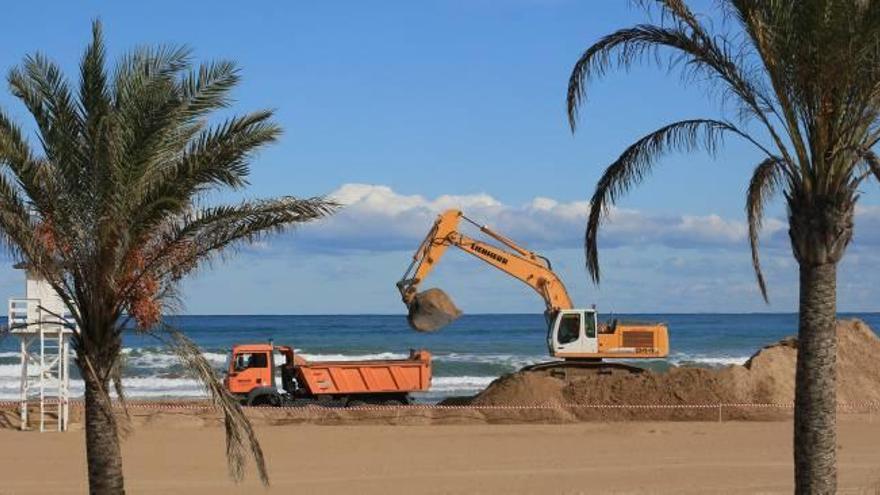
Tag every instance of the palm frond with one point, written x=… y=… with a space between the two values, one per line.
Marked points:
x=216 y=157
x=768 y=36
x=15 y=221
x=21 y=183
x=142 y=69
x=14 y=149
x=635 y=163
x=690 y=47
x=94 y=92
x=95 y=103
x=125 y=426
x=626 y=47
x=208 y=88
x=240 y=435
x=147 y=99
x=41 y=86
x=874 y=165
x=766 y=181
x=206 y=233
x=871 y=164
x=678 y=12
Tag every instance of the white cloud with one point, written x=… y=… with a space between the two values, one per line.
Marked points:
x=357 y=256
x=377 y=218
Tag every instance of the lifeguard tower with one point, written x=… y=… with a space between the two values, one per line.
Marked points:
x=43 y=325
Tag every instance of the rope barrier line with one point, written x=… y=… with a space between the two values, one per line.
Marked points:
x=559 y=406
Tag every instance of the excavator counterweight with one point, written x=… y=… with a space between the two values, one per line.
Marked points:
x=572 y=334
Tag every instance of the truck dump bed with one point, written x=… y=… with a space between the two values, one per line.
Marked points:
x=364 y=377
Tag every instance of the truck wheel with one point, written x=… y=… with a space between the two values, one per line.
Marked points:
x=356 y=403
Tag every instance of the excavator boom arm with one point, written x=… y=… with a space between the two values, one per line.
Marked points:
x=573 y=334
x=520 y=263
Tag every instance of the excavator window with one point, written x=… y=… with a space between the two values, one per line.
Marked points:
x=569 y=328
x=590 y=327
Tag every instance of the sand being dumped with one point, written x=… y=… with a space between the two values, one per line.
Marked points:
x=767 y=378
x=431 y=310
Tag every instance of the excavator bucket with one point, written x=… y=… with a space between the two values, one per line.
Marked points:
x=432 y=310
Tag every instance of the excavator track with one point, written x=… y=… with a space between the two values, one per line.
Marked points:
x=600 y=367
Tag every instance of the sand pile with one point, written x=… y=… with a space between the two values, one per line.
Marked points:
x=768 y=377
x=432 y=310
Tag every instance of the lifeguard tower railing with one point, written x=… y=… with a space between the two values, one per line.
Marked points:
x=45 y=362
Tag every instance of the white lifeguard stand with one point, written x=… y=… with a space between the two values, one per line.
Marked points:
x=43 y=325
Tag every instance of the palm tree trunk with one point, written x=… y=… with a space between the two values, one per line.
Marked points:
x=815 y=414
x=102 y=439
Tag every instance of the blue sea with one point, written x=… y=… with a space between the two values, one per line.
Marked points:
x=468 y=354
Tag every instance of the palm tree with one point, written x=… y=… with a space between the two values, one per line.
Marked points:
x=805 y=78
x=112 y=210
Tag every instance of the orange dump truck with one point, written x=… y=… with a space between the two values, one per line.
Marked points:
x=251 y=377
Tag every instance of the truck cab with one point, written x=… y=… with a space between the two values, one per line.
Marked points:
x=251 y=373
x=249 y=367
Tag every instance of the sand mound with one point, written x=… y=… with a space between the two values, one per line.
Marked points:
x=768 y=377
x=432 y=310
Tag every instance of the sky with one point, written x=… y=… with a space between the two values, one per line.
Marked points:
x=401 y=109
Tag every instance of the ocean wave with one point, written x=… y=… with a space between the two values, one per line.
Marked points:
x=460 y=383
x=514 y=361
x=135 y=387
x=158 y=358
x=702 y=359
x=7 y=385
x=10 y=370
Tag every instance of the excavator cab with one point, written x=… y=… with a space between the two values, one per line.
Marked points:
x=573 y=333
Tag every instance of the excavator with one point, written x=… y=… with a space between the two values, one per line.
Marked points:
x=573 y=335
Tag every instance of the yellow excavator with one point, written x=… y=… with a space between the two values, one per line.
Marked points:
x=573 y=334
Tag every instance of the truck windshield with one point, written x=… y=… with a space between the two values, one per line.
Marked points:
x=247 y=360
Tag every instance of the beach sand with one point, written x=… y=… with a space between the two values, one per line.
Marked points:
x=174 y=453
x=504 y=445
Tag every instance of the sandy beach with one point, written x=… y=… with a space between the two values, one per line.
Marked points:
x=176 y=453
x=689 y=430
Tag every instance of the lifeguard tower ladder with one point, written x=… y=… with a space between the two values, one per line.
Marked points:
x=42 y=324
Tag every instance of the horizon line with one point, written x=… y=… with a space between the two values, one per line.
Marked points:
x=700 y=313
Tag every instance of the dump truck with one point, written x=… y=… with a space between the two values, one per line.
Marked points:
x=251 y=378
x=573 y=334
